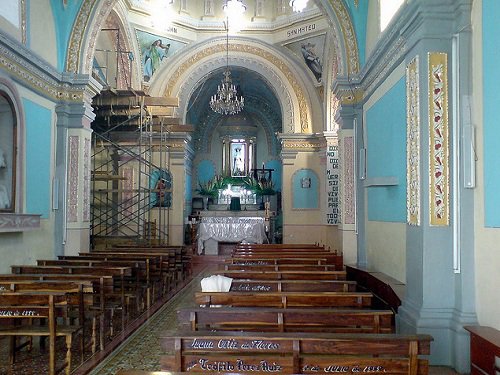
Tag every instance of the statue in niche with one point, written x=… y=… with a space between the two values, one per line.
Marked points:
x=238 y=168
x=311 y=59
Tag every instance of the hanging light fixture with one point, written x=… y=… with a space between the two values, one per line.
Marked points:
x=298 y=5
x=226 y=101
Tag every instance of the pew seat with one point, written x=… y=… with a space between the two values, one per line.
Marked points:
x=295 y=353
x=23 y=307
x=284 y=299
x=286 y=320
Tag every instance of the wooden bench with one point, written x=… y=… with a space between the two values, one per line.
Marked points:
x=295 y=353
x=279 y=246
x=284 y=299
x=138 y=281
x=275 y=260
x=26 y=306
x=256 y=285
x=148 y=274
x=171 y=269
x=329 y=258
x=286 y=320
x=118 y=273
x=178 y=256
x=284 y=275
x=278 y=267
x=102 y=286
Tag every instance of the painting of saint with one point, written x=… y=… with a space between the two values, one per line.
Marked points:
x=155 y=50
x=153 y=55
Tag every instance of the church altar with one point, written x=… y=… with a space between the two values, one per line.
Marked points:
x=215 y=229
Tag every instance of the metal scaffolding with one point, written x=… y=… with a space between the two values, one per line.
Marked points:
x=131 y=179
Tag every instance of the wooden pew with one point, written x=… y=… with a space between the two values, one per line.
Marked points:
x=178 y=256
x=330 y=258
x=275 y=260
x=102 y=286
x=278 y=267
x=138 y=280
x=26 y=306
x=279 y=246
x=256 y=285
x=284 y=299
x=148 y=273
x=171 y=268
x=295 y=353
x=118 y=273
x=286 y=320
x=284 y=275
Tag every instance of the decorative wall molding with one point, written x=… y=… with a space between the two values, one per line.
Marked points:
x=86 y=178
x=347 y=180
x=249 y=53
x=350 y=41
x=37 y=75
x=439 y=152
x=413 y=142
x=73 y=167
x=12 y=222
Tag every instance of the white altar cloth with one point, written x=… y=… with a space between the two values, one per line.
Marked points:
x=231 y=229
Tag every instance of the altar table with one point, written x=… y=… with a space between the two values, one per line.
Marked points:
x=230 y=229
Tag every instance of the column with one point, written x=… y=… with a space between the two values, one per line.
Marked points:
x=73 y=170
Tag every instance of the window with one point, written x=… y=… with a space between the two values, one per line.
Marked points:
x=388 y=9
x=8 y=139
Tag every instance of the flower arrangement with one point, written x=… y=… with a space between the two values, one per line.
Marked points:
x=260 y=187
x=208 y=188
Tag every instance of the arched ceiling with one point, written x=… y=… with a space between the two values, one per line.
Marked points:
x=261 y=105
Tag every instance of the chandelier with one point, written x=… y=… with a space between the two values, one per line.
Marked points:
x=226 y=101
x=298 y=5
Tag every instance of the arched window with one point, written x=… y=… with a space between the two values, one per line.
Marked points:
x=388 y=9
x=8 y=157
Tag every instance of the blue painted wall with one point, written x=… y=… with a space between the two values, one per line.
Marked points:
x=386 y=154
x=205 y=171
x=276 y=174
x=305 y=197
x=38 y=121
x=359 y=16
x=64 y=18
x=491 y=99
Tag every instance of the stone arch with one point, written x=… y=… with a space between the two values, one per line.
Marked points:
x=194 y=64
x=93 y=13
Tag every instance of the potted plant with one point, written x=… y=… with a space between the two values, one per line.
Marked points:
x=207 y=190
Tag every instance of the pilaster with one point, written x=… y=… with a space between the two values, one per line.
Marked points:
x=73 y=170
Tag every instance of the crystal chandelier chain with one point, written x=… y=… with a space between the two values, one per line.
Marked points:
x=226 y=101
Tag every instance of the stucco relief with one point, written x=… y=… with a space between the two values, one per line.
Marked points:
x=250 y=58
x=412 y=143
x=347 y=177
x=190 y=83
x=350 y=42
x=33 y=71
x=73 y=151
x=86 y=179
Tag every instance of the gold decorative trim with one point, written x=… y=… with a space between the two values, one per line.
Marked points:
x=254 y=51
x=438 y=139
x=23 y=22
x=412 y=143
x=32 y=76
x=350 y=41
x=76 y=38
